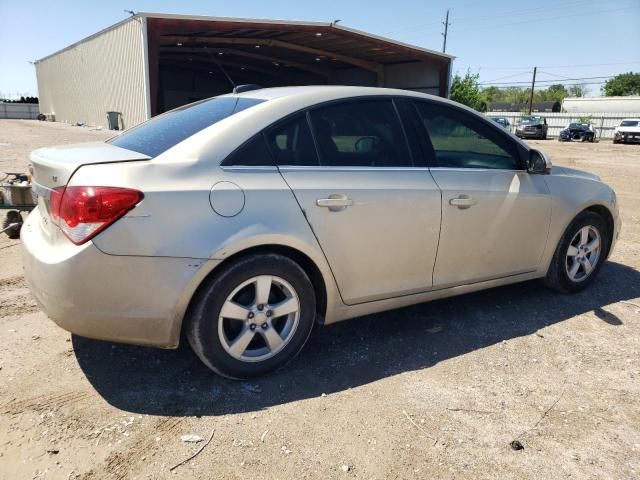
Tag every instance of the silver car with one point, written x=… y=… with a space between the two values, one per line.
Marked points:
x=244 y=219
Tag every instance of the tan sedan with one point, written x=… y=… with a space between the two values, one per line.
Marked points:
x=245 y=219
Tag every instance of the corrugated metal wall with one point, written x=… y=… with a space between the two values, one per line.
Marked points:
x=27 y=111
x=103 y=73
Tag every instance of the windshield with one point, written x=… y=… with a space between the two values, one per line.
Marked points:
x=164 y=131
x=578 y=125
x=530 y=120
x=629 y=123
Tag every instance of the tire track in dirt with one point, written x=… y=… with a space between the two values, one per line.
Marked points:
x=40 y=403
x=119 y=465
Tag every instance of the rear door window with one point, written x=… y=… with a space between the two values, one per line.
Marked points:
x=291 y=143
x=364 y=133
x=167 y=130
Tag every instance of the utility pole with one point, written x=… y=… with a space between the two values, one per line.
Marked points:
x=446 y=29
x=533 y=85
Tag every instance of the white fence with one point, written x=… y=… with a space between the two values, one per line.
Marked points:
x=603 y=123
x=28 y=111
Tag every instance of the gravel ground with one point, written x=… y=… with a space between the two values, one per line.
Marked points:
x=437 y=390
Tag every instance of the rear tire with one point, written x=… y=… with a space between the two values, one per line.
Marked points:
x=233 y=323
x=580 y=254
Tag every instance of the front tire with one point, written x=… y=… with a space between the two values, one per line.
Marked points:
x=580 y=254
x=253 y=317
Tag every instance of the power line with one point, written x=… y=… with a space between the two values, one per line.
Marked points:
x=508 y=76
x=563 y=66
x=555 y=75
x=579 y=84
x=550 y=81
x=509 y=24
x=510 y=13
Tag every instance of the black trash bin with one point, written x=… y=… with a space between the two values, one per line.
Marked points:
x=113 y=120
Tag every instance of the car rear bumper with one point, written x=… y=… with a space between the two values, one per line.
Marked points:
x=139 y=300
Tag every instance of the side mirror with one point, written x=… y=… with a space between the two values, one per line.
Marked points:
x=538 y=163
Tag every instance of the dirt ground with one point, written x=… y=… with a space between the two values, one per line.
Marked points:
x=437 y=390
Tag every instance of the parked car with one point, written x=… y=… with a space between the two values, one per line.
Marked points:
x=532 y=126
x=502 y=121
x=579 y=132
x=244 y=219
x=628 y=131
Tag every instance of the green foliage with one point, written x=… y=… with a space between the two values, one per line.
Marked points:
x=577 y=90
x=466 y=90
x=622 y=85
x=555 y=93
x=585 y=119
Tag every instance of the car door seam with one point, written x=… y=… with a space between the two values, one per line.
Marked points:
x=313 y=232
x=435 y=261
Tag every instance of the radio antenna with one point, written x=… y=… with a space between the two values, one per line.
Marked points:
x=221 y=68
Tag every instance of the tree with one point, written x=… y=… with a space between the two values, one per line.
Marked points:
x=577 y=90
x=556 y=92
x=623 y=84
x=466 y=90
x=491 y=94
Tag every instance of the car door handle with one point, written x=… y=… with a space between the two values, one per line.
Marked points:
x=463 y=201
x=335 y=202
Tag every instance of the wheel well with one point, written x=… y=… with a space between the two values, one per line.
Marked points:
x=310 y=268
x=606 y=216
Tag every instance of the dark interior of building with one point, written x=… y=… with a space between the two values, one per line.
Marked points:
x=194 y=59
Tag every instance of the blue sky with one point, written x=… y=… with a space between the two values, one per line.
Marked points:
x=502 y=40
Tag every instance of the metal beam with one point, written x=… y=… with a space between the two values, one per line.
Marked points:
x=365 y=64
x=325 y=72
x=199 y=65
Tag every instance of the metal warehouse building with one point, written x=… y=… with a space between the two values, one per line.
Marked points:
x=151 y=63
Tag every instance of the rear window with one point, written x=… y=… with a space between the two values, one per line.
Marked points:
x=530 y=120
x=163 y=132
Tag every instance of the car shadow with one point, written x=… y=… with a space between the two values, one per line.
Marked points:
x=347 y=354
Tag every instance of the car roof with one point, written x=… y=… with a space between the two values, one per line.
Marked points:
x=318 y=93
x=631 y=119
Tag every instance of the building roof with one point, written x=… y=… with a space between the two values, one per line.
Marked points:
x=548 y=106
x=321 y=39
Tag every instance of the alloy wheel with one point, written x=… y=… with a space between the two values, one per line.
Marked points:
x=259 y=318
x=583 y=253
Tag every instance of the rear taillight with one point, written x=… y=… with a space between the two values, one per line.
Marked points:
x=83 y=212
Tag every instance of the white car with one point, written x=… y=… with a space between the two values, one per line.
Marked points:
x=628 y=131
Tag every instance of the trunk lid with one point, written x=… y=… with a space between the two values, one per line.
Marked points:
x=52 y=167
